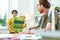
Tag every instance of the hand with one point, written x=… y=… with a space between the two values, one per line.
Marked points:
x=11 y=31
x=29 y=32
x=30 y=28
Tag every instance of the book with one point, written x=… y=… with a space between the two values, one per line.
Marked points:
x=19 y=24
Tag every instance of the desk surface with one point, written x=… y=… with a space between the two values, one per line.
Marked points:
x=55 y=34
x=21 y=36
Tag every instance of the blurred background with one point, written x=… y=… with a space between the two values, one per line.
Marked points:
x=27 y=8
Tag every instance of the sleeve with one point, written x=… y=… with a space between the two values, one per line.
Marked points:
x=50 y=18
x=9 y=23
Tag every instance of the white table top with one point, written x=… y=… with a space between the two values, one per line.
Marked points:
x=55 y=34
x=21 y=36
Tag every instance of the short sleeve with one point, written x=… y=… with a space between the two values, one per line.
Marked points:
x=50 y=18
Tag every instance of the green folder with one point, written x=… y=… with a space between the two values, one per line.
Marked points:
x=18 y=24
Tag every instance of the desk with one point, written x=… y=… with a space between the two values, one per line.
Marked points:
x=49 y=34
x=21 y=36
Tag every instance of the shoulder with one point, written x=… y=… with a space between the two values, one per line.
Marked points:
x=10 y=19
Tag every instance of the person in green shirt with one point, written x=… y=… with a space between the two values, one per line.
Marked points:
x=46 y=21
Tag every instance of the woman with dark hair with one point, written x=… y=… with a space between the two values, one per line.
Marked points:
x=11 y=21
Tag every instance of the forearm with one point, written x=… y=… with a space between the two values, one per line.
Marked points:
x=34 y=27
x=10 y=28
x=49 y=26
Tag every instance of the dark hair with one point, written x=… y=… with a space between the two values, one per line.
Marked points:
x=14 y=11
x=45 y=3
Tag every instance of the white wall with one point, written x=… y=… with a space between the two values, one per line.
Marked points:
x=25 y=8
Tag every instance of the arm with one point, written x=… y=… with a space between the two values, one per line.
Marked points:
x=48 y=26
x=34 y=27
x=9 y=26
x=39 y=23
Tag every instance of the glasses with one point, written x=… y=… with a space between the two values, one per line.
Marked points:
x=38 y=5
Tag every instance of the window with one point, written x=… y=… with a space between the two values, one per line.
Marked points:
x=3 y=12
x=6 y=6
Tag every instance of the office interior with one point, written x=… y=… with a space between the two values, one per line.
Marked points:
x=27 y=8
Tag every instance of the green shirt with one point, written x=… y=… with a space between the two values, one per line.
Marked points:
x=47 y=19
x=56 y=20
x=43 y=21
